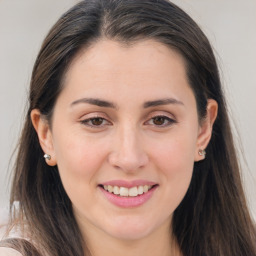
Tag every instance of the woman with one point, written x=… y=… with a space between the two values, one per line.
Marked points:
x=127 y=140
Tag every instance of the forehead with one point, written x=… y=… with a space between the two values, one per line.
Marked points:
x=107 y=55
x=108 y=68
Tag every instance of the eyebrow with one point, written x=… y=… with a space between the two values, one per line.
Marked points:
x=161 y=102
x=107 y=104
x=93 y=101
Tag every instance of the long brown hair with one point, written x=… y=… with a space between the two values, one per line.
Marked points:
x=213 y=217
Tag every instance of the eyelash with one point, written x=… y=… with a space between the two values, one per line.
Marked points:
x=89 y=122
x=169 y=121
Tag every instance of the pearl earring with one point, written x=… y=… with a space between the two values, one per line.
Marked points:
x=47 y=157
x=202 y=152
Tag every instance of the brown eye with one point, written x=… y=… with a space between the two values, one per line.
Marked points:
x=97 y=121
x=159 y=120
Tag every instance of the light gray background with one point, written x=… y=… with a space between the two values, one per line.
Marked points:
x=229 y=24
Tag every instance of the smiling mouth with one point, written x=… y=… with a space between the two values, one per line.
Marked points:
x=128 y=192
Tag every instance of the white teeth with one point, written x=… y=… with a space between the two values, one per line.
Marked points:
x=133 y=191
x=110 y=189
x=123 y=191
x=140 y=190
x=116 y=190
x=145 y=189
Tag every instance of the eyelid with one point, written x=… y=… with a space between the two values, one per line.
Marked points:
x=172 y=120
x=161 y=113
x=85 y=119
x=93 y=114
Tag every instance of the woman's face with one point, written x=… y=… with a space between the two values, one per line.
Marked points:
x=125 y=121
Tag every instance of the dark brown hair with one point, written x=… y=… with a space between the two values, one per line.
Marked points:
x=213 y=217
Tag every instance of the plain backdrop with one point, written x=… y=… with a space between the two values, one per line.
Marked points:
x=229 y=25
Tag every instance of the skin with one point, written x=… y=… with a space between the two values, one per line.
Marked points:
x=128 y=142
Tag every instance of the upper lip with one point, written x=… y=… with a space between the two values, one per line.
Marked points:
x=128 y=184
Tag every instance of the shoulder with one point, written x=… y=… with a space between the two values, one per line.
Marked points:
x=4 y=251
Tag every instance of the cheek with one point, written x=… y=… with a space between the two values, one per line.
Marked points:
x=78 y=161
x=176 y=153
x=175 y=161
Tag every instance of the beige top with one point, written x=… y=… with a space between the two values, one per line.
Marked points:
x=4 y=251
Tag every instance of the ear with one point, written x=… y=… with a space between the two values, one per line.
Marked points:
x=44 y=134
x=205 y=130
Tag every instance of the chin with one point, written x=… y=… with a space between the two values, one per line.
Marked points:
x=130 y=230
x=129 y=235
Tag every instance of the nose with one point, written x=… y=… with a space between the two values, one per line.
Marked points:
x=128 y=153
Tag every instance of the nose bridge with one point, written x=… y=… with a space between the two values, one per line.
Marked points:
x=128 y=152
x=129 y=142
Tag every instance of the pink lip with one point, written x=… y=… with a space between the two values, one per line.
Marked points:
x=128 y=184
x=128 y=202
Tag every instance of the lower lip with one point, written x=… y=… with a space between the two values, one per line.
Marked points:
x=128 y=202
